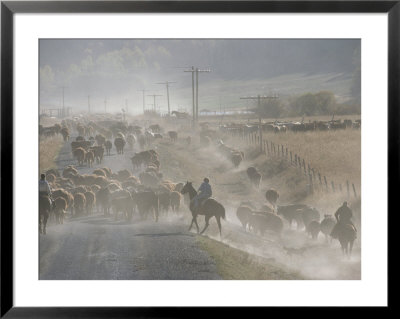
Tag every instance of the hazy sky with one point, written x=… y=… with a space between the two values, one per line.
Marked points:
x=117 y=69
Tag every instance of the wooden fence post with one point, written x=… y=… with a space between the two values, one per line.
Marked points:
x=354 y=190
x=348 y=189
x=286 y=153
x=268 y=147
x=295 y=159
x=326 y=184
x=320 y=180
x=304 y=166
x=333 y=186
x=291 y=158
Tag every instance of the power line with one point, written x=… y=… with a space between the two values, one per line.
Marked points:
x=259 y=98
x=144 y=100
x=63 y=105
x=154 y=96
x=167 y=84
x=196 y=71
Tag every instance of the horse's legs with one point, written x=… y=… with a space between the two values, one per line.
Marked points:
x=351 y=248
x=219 y=225
x=206 y=225
x=195 y=222
x=191 y=224
x=46 y=216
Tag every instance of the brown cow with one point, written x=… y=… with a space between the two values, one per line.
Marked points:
x=79 y=154
x=90 y=201
x=89 y=158
x=59 y=209
x=173 y=135
x=79 y=203
x=176 y=198
x=119 y=143
x=108 y=146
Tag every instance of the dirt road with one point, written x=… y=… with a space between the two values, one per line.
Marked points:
x=100 y=248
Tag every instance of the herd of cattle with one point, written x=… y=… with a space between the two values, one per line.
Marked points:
x=112 y=192
x=148 y=193
x=270 y=219
x=282 y=127
x=108 y=191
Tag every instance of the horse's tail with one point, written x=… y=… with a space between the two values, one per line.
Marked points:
x=223 y=212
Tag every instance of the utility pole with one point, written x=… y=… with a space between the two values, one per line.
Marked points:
x=63 y=105
x=154 y=96
x=259 y=98
x=144 y=101
x=193 y=105
x=197 y=90
x=88 y=102
x=167 y=84
x=196 y=105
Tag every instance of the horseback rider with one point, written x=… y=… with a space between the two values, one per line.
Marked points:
x=203 y=192
x=343 y=216
x=44 y=188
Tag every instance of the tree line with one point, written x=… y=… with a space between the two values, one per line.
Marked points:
x=307 y=104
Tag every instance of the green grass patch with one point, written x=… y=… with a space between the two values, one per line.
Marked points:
x=235 y=264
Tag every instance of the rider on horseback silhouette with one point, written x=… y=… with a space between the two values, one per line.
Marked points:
x=343 y=216
x=44 y=188
x=203 y=193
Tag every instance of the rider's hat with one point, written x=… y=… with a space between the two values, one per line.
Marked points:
x=42 y=176
x=206 y=180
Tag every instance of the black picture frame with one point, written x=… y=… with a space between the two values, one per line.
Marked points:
x=9 y=8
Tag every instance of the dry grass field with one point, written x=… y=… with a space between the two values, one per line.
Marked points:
x=335 y=154
x=48 y=152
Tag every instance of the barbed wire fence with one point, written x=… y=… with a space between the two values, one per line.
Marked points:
x=316 y=181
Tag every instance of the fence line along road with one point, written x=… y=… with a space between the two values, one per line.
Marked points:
x=317 y=182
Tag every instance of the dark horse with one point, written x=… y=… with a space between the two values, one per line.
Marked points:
x=209 y=208
x=44 y=212
x=346 y=234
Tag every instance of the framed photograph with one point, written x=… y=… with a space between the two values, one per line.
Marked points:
x=196 y=154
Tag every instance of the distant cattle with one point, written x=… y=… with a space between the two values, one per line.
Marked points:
x=243 y=213
x=108 y=146
x=79 y=153
x=260 y=222
x=292 y=213
x=98 y=152
x=147 y=202
x=254 y=176
x=173 y=135
x=327 y=225
x=119 y=143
